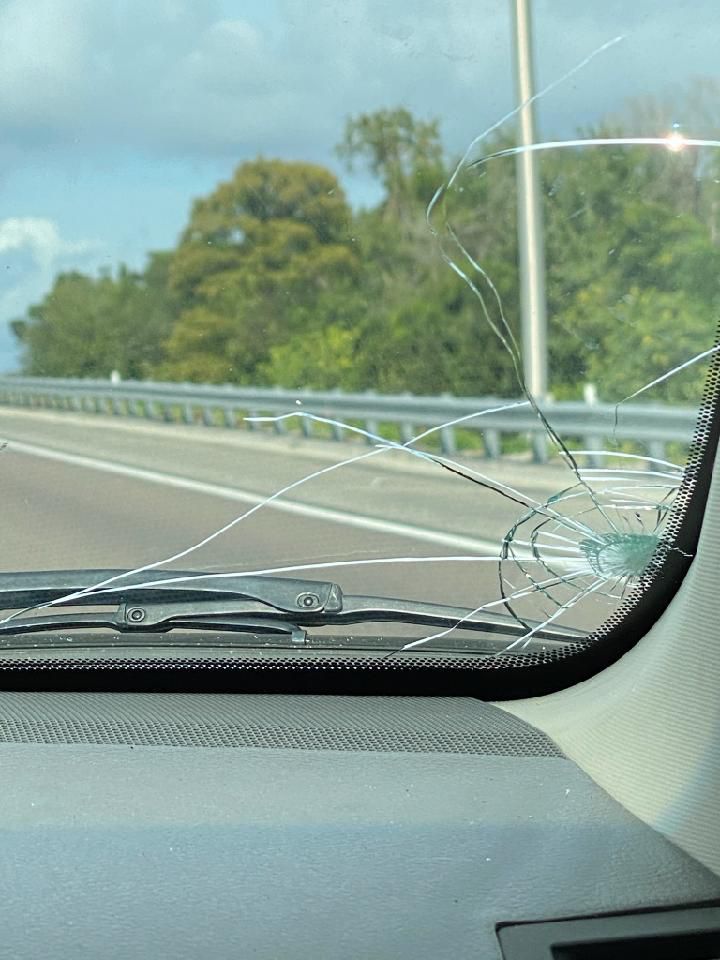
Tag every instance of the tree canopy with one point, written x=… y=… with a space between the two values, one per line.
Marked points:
x=276 y=280
x=89 y=326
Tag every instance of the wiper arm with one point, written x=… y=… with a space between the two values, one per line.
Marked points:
x=157 y=607
x=259 y=604
x=19 y=590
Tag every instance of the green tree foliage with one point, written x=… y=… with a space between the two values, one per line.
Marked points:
x=645 y=334
x=404 y=153
x=258 y=255
x=88 y=327
x=275 y=280
x=424 y=332
x=633 y=276
x=326 y=359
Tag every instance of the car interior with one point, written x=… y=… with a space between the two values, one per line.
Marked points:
x=205 y=761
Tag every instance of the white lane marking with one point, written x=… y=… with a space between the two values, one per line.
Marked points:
x=544 y=478
x=245 y=496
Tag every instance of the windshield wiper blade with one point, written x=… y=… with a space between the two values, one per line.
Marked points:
x=258 y=604
x=363 y=609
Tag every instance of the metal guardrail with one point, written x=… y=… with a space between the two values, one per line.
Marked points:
x=226 y=406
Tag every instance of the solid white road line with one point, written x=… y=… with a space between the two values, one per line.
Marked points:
x=361 y=521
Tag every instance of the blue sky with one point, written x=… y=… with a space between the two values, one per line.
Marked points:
x=114 y=114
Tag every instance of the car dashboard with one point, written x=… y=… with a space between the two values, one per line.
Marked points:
x=267 y=826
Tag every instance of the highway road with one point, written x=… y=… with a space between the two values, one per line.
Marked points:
x=85 y=491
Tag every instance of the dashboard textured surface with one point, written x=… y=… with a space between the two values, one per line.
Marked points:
x=126 y=850
x=414 y=724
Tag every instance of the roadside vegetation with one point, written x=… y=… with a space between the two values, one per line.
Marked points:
x=276 y=280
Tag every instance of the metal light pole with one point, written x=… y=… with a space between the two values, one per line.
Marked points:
x=530 y=223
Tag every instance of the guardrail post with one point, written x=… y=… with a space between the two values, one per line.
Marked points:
x=447 y=441
x=372 y=426
x=407 y=427
x=538 y=443
x=656 y=448
x=229 y=418
x=592 y=441
x=280 y=427
x=188 y=415
x=407 y=431
x=207 y=416
x=336 y=432
x=492 y=444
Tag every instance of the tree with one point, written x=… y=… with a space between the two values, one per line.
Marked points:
x=404 y=153
x=324 y=359
x=275 y=280
x=67 y=335
x=142 y=315
x=425 y=331
x=89 y=326
x=256 y=256
x=624 y=252
x=287 y=208
x=642 y=336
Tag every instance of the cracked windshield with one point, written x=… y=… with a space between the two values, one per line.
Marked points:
x=419 y=299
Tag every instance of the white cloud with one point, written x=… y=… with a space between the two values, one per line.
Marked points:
x=41 y=237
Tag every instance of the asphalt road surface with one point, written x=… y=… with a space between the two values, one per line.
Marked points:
x=83 y=491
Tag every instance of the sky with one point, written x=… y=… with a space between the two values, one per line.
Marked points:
x=115 y=114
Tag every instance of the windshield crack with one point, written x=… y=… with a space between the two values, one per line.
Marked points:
x=599 y=535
